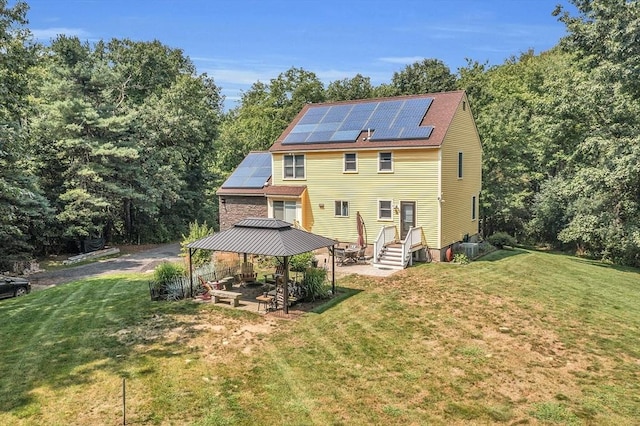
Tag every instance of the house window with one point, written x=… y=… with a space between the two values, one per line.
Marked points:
x=285 y=210
x=294 y=166
x=385 y=162
x=460 y=165
x=350 y=162
x=473 y=208
x=342 y=208
x=385 y=209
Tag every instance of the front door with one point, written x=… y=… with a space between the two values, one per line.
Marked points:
x=407 y=217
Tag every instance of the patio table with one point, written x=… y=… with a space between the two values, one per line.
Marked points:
x=351 y=255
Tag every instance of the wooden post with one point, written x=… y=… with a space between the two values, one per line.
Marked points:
x=124 y=401
x=333 y=270
x=191 y=271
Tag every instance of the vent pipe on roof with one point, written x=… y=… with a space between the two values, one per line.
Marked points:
x=368 y=133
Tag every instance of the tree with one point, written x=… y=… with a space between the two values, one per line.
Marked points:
x=602 y=201
x=23 y=210
x=426 y=76
x=125 y=132
x=606 y=33
x=264 y=112
x=358 y=87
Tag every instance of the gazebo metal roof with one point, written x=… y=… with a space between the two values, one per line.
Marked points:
x=265 y=236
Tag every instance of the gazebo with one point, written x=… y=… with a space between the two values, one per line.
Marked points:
x=268 y=237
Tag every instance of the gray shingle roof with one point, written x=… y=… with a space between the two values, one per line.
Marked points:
x=266 y=236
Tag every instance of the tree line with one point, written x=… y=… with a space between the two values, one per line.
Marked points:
x=124 y=140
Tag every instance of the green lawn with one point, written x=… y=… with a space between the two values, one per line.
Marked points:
x=517 y=337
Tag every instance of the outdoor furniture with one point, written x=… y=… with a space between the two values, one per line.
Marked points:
x=340 y=255
x=351 y=254
x=267 y=301
x=278 y=297
x=223 y=294
x=246 y=273
x=275 y=278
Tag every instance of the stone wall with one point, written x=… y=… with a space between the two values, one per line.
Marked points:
x=235 y=208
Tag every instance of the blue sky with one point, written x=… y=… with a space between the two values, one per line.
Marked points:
x=238 y=42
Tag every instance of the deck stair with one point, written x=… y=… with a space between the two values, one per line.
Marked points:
x=390 y=257
x=392 y=253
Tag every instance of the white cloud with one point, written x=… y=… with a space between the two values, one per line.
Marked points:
x=240 y=76
x=46 y=34
x=401 y=59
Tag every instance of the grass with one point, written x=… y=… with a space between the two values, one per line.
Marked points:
x=517 y=337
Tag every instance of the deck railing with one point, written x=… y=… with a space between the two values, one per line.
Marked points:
x=387 y=235
x=413 y=239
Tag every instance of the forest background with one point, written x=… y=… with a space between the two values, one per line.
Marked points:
x=125 y=141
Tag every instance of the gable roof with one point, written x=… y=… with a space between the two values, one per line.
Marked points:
x=402 y=121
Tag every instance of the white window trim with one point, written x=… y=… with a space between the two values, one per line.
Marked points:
x=344 y=163
x=385 y=219
x=385 y=171
x=304 y=164
x=284 y=201
x=348 y=208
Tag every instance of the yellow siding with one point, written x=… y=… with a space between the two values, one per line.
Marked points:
x=462 y=136
x=415 y=178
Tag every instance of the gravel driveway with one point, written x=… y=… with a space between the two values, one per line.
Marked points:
x=142 y=261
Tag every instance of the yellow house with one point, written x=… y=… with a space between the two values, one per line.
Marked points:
x=410 y=167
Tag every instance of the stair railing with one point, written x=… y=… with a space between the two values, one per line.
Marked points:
x=387 y=235
x=413 y=239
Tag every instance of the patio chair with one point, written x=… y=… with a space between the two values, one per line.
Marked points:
x=276 y=277
x=340 y=255
x=246 y=273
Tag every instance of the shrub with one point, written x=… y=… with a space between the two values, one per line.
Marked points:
x=501 y=239
x=460 y=258
x=300 y=262
x=167 y=272
x=196 y=232
x=314 y=283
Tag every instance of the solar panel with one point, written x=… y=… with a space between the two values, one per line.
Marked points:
x=327 y=127
x=336 y=114
x=345 y=136
x=386 y=134
x=391 y=120
x=302 y=128
x=314 y=115
x=296 y=138
x=319 y=137
x=252 y=172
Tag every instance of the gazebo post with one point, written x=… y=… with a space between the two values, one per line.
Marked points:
x=245 y=257
x=286 y=285
x=191 y=270
x=333 y=271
